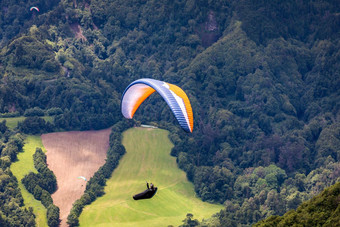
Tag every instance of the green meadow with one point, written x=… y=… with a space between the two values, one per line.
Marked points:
x=12 y=122
x=147 y=158
x=23 y=166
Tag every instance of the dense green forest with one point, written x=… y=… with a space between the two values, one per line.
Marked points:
x=263 y=78
x=322 y=210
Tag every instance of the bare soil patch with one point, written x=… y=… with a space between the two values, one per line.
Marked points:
x=76 y=28
x=70 y=155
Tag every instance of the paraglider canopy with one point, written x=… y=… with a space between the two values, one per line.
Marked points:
x=34 y=8
x=81 y=177
x=135 y=94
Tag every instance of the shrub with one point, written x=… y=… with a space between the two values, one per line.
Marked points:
x=54 y=111
x=36 y=111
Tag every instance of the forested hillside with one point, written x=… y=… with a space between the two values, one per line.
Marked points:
x=322 y=210
x=263 y=78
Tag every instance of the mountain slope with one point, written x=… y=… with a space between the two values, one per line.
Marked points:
x=262 y=77
x=322 y=210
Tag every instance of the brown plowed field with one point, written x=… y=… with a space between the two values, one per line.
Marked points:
x=70 y=155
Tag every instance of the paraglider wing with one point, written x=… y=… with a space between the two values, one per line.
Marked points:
x=81 y=177
x=33 y=7
x=135 y=94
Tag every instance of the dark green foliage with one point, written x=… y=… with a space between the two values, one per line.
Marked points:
x=53 y=215
x=72 y=219
x=54 y=111
x=46 y=198
x=264 y=20
x=12 y=147
x=12 y=211
x=3 y=126
x=35 y=125
x=31 y=53
x=36 y=111
x=16 y=16
x=11 y=114
x=50 y=181
x=42 y=185
x=44 y=179
x=322 y=210
x=189 y=222
x=39 y=159
x=216 y=183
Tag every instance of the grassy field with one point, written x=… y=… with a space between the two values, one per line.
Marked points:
x=12 y=122
x=147 y=158
x=23 y=166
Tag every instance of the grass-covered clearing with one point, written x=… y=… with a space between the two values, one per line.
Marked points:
x=147 y=158
x=23 y=166
x=12 y=122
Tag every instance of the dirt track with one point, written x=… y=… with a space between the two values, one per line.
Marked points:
x=70 y=155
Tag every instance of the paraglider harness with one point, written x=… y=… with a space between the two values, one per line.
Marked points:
x=147 y=194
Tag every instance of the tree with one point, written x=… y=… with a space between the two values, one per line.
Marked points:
x=3 y=126
x=189 y=221
x=53 y=216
